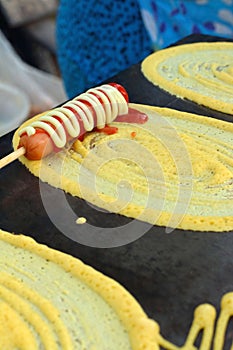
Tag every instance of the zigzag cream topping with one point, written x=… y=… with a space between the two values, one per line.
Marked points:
x=113 y=104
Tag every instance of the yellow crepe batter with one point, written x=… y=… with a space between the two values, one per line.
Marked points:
x=53 y=301
x=176 y=170
x=201 y=72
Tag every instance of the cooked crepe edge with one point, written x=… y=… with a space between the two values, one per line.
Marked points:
x=142 y=330
x=186 y=222
x=148 y=68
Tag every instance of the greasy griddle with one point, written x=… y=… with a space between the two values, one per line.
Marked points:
x=169 y=274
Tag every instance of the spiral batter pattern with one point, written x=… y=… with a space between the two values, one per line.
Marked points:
x=200 y=72
x=52 y=301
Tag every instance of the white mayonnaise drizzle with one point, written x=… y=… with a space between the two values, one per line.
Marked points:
x=114 y=104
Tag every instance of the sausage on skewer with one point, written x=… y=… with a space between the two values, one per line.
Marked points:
x=95 y=108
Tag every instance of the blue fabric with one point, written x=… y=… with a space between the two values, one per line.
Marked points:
x=96 y=40
x=169 y=21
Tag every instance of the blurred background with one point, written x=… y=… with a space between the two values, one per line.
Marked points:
x=30 y=27
x=30 y=80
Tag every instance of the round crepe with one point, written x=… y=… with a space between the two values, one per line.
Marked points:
x=200 y=72
x=53 y=301
x=176 y=170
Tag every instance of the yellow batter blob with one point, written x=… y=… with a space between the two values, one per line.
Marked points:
x=201 y=72
x=176 y=170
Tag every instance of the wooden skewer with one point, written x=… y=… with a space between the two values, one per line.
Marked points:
x=12 y=156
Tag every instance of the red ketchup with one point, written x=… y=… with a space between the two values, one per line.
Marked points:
x=40 y=143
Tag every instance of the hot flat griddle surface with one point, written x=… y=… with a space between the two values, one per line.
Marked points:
x=169 y=274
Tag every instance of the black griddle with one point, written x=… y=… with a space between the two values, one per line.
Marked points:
x=169 y=274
